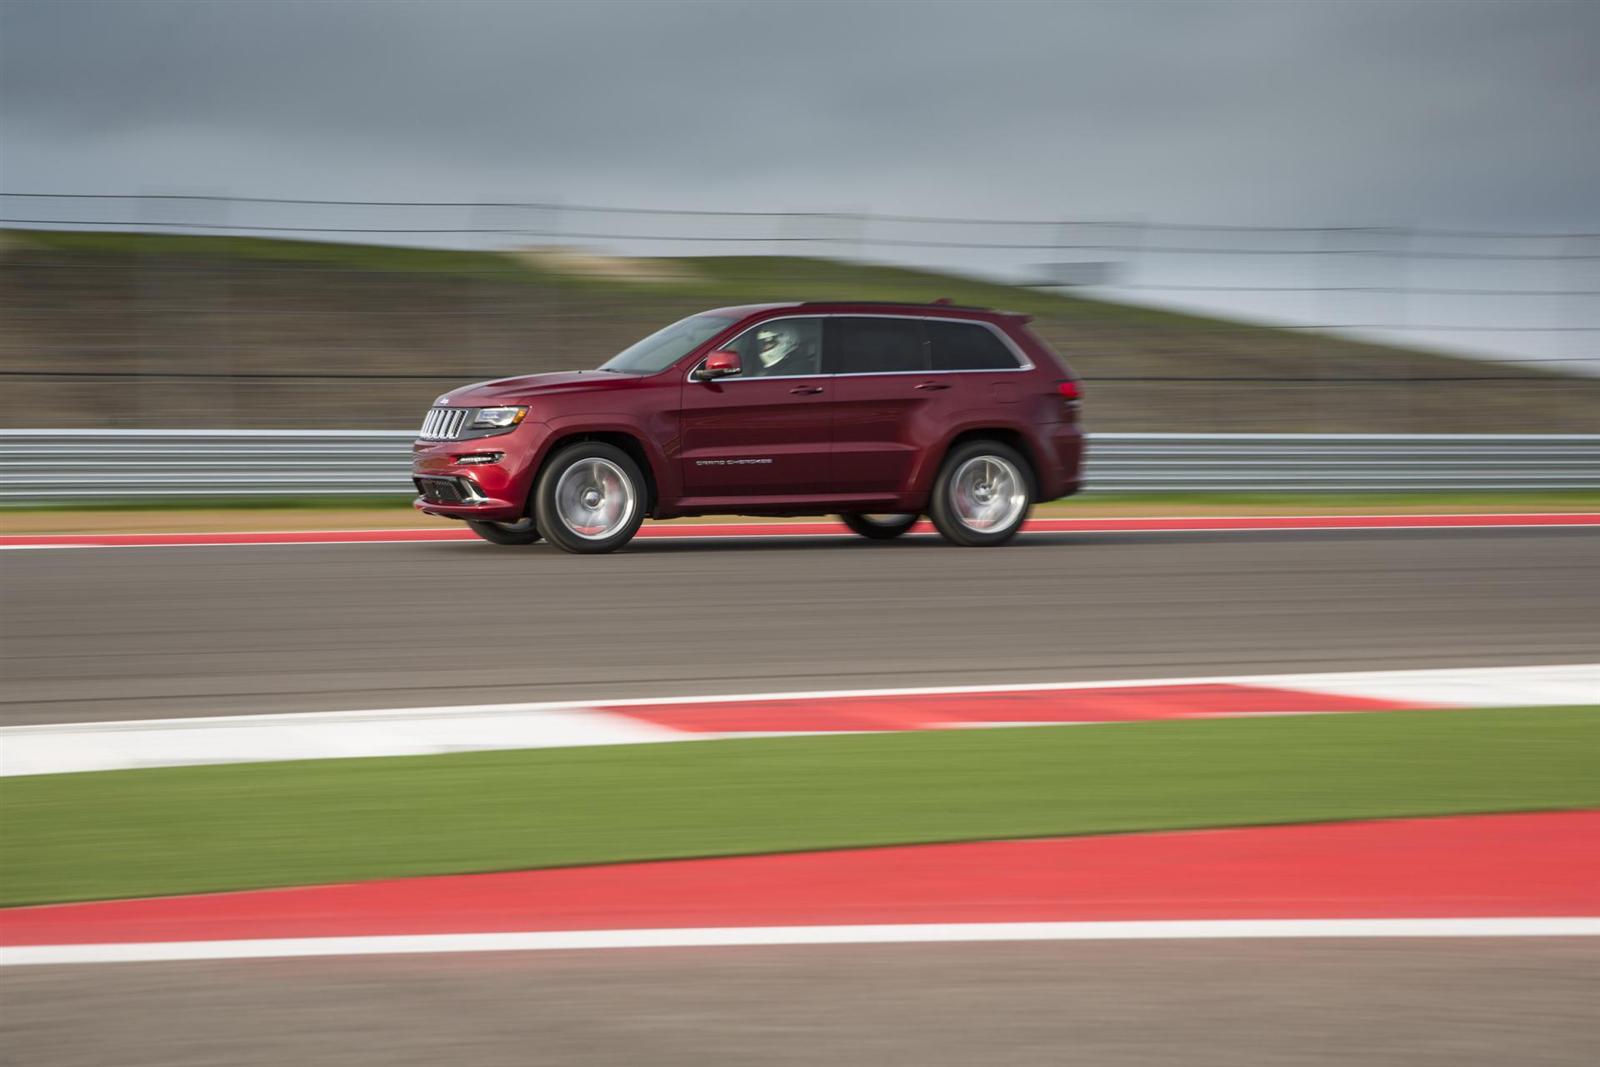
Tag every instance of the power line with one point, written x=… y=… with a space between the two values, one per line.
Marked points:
x=841 y=215
x=501 y=230
x=511 y=270
x=1419 y=291
x=1458 y=328
x=147 y=225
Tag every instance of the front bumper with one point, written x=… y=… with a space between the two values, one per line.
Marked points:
x=453 y=491
x=495 y=490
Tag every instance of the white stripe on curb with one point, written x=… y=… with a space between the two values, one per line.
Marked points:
x=727 y=936
x=77 y=747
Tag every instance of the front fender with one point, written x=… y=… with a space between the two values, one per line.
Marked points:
x=664 y=474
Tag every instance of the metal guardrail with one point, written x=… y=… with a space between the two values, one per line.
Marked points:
x=63 y=465
x=71 y=465
x=1127 y=462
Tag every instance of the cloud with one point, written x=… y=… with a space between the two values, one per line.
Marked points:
x=1472 y=113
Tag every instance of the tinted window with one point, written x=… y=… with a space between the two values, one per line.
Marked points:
x=875 y=346
x=780 y=348
x=967 y=346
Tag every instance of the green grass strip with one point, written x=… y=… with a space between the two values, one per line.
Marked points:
x=146 y=832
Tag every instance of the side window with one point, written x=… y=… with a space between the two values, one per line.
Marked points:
x=875 y=346
x=780 y=348
x=967 y=346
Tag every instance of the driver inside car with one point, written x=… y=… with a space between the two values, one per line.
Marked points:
x=782 y=349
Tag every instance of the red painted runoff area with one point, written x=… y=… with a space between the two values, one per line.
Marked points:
x=1539 y=864
x=820 y=528
x=923 y=711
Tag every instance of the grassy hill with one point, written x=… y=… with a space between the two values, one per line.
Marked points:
x=103 y=329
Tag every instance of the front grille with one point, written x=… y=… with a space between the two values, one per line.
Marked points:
x=444 y=424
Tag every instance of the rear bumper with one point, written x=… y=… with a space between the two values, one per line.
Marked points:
x=1060 y=448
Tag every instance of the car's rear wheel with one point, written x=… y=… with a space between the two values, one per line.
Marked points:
x=983 y=494
x=522 y=532
x=590 y=498
x=879 y=527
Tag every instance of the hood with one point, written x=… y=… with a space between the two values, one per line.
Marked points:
x=529 y=386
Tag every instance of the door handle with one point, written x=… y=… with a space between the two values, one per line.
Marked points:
x=934 y=386
x=806 y=390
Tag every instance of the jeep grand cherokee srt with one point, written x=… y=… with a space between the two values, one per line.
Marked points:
x=875 y=412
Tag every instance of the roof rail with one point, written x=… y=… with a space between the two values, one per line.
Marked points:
x=942 y=302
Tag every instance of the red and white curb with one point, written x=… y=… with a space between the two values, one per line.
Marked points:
x=65 y=748
x=1510 y=875
x=756 y=936
x=789 y=530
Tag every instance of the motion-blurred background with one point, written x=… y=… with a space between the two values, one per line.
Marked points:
x=1250 y=217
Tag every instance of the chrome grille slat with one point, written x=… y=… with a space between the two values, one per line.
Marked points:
x=444 y=424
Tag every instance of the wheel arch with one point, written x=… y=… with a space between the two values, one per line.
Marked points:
x=630 y=443
x=1012 y=438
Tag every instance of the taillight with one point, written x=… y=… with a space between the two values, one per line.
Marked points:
x=1070 y=396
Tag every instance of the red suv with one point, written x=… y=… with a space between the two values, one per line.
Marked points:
x=876 y=412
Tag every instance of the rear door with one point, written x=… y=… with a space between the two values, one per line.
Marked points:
x=765 y=432
x=887 y=403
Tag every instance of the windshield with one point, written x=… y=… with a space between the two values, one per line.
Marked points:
x=666 y=346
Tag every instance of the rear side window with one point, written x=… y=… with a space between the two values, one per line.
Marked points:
x=874 y=346
x=967 y=346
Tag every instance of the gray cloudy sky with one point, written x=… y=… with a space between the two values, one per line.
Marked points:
x=1478 y=115
x=1444 y=113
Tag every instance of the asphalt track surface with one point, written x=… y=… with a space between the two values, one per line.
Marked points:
x=98 y=634
x=1450 y=1003
x=121 y=633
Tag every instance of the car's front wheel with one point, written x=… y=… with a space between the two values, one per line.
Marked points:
x=522 y=532
x=983 y=494
x=590 y=498
x=879 y=527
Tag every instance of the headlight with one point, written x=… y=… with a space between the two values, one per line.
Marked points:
x=497 y=418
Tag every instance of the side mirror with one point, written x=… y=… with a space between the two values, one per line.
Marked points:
x=722 y=364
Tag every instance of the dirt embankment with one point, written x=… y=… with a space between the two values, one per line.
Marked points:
x=128 y=331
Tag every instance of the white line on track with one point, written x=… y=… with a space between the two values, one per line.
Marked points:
x=707 y=937
x=78 y=747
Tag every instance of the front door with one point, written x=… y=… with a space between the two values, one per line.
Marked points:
x=766 y=431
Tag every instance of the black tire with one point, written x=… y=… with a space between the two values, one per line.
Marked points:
x=879 y=527
x=525 y=532
x=953 y=507
x=599 y=472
